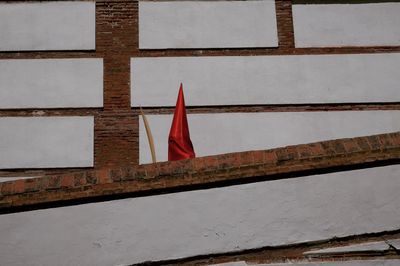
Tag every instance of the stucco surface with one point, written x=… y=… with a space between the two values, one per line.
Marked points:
x=372 y=24
x=46 y=142
x=213 y=134
x=286 y=79
x=207 y=24
x=51 y=83
x=205 y=221
x=54 y=25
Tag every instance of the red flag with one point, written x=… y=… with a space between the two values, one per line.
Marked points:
x=179 y=144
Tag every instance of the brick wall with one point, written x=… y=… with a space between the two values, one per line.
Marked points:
x=116 y=125
x=211 y=171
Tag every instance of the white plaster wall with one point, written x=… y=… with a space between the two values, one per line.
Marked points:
x=346 y=24
x=51 y=83
x=288 y=79
x=46 y=142
x=205 y=221
x=207 y=24
x=213 y=134
x=54 y=25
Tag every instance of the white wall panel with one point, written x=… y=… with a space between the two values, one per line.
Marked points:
x=207 y=24
x=288 y=79
x=46 y=142
x=346 y=24
x=51 y=83
x=55 y=25
x=213 y=134
x=124 y=232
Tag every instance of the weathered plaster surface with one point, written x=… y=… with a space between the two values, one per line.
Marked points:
x=346 y=24
x=46 y=142
x=285 y=79
x=51 y=83
x=205 y=221
x=54 y=25
x=213 y=134
x=207 y=24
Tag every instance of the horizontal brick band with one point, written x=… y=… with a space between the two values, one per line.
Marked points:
x=204 y=170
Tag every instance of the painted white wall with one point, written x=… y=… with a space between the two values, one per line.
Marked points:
x=51 y=83
x=288 y=79
x=205 y=221
x=346 y=24
x=46 y=142
x=213 y=134
x=207 y=24
x=54 y=25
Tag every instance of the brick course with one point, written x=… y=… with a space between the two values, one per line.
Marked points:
x=251 y=166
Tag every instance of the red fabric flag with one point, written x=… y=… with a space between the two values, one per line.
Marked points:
x=179 y=144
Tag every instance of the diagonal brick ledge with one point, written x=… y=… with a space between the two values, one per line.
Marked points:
x=200 y=171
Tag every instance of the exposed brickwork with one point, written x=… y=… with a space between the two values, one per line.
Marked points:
x=116 y=125
x=294 y=253
x=265 y=164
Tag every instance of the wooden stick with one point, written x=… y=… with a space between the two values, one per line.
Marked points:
x=149 y=136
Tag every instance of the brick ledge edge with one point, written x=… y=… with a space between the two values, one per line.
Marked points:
x=200 y=171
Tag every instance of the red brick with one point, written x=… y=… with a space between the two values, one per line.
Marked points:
x=351 y=145
x=103 y=176
x=19 y=186
x=67 y=181
x=79 y=179
x=7 y=188
x=387 y=141
x=270 y=156
x=396 y=138
x=304 y=151
x=246 y=158
x=374 y=142
x=316 y=149
x=31 y=185
x=258 y=157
